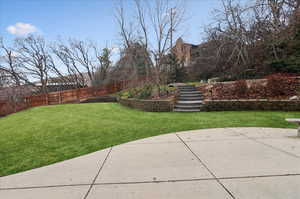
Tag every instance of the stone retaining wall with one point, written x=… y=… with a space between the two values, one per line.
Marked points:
x=149 y=105
x=244 y=105
x=275 y=88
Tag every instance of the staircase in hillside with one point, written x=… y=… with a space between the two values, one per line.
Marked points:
x=190 y=100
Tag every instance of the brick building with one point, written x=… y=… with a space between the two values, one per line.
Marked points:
x=186 y=53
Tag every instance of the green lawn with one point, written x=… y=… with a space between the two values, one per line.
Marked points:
x=45 y=135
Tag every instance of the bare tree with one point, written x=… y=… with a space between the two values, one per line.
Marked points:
x=126 y=28
x=248 y=34
x=82 y=52
x=14 y=85
x=80 y=62
x=35 y=58
x=10 y=66
x=67 y=69
x=159 y=19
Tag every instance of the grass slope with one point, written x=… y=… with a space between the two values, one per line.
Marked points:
x=45 y=135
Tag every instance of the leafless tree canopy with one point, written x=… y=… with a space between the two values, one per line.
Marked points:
x=10 y=67
x=245 y=35
x=35 y=58
x=68 y=70
x=155 y=25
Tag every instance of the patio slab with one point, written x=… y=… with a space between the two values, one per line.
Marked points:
x=151 y=162
x=81 y=170
x=168 y=138
x=282 y=187
x=288 y=144
x=215 y=163
x=210 y=134
x=261 y=133
x=207 y=189
x=73 y=192
x=240 y=158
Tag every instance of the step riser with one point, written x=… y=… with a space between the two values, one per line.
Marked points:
x=189 y=104
x=190 y=92
x=189 y=99
x=192 y=95
x=187 y=111
x=188 y=108
x=187 y=89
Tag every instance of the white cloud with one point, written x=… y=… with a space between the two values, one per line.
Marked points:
x=115 y=50
x=21 y=29
x=14 y=54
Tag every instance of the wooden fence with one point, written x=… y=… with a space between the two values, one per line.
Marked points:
x=68 y=96
x=75 y=95
x=8 y=108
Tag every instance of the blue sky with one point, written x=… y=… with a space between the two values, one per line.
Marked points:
x=86 y=19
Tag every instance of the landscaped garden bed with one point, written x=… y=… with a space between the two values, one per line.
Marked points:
x=149 y=98
x=273 y=87
x=274 y=93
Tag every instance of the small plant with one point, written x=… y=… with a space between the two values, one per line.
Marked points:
x=257 y=90
x=130 y=93
x=145 y=92
x=241 y=88
x=279 y=86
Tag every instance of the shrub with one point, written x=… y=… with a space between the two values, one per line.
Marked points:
x=279 y=86
x=257 y=90
x=145 y=92
x=223 y=91
x=241 y=89
x=130 y=93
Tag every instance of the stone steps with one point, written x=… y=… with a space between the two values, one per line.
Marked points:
x=190 y=100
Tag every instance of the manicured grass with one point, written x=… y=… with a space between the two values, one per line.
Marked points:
x=45 y=135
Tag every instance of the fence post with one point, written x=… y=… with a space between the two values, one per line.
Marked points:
x=77 y=94
x=47 y=99
x=59 y=97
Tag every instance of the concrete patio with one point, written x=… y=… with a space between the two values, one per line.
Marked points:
x=242 y=163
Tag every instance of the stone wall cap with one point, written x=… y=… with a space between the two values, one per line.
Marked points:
x=163 y=100
x=251 y=100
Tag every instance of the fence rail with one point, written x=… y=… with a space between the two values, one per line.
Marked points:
x=67 y=96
